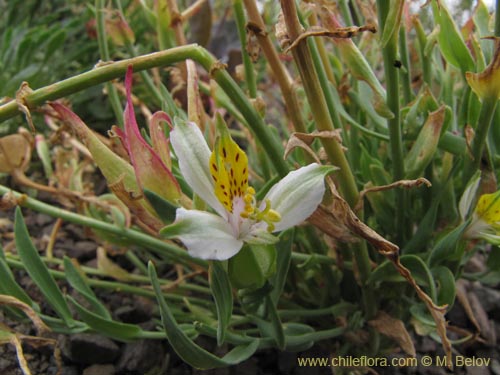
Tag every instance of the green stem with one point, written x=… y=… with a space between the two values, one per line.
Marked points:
x=134 y=259
x=135 y=237
x=497 y=18
x=239 y=15
x=121 y=287
x=481 y=132
x=319 y=109
x=107 y=72
x=405 y=66
x=104 y=52
x=389 y=53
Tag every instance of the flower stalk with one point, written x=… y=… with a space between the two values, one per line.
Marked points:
x=104 y=52
x=117 y=69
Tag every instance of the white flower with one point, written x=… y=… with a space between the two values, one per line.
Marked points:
x=220 y=178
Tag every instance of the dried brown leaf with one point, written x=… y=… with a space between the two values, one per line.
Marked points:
x=395 y=329
x=109 y=268
x=28 y=310
x=339 y=32
x=21 y=94
x=15 y=153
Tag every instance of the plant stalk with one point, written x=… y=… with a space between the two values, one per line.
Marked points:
x=116 y=104
x=110 y=71
x=239 y=15
x=317 y=102
x=389 y=53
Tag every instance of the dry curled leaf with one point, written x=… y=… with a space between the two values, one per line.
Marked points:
x=407 y=184
x=342 y=213
x=339 y=32
x=15 y=152
x=109 y=268
x=21 y=94
x=395 y=329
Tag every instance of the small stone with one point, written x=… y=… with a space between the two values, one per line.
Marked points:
x=495 y=367
x=141 y=356
x=490 y=299
x=86 y=349
x=42 y=220
x=99 y=370
x=139 y=311
x=83 y=250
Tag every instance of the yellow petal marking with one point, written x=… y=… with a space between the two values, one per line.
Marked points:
x=488 y=208
x=229 y=169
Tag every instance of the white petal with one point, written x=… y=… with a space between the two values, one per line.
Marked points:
x=206 y=235
x=298 y=195
x=194 y=157
x=491 y=238
x=469 y=195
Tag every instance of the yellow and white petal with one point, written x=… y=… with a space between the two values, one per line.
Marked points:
x=194 y=155
x=297 y=195
x=206 y=235
x=229 y=168
x=488 y=208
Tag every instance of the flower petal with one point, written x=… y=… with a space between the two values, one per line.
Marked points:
x=298 y=195
x=206 y=236
x=488 y=208
x=469 y=195
x=194 y=155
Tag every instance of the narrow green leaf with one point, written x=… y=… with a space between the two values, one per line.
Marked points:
x=446 y=285
x=392 y=22
x=284 y=257
x=451 y=44
x=447 y=248
x=277 y=332
x=191 y=353
x=419 y=270
x=223 y=296
x=38 y=271
x=9 y=286
x=164 y=209
x=79 y=283
x=113 y=329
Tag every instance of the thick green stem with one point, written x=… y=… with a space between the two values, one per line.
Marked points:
x=121 y=287
x=319 y=109
x=480 y=135
x=405 y=66
x=279 y=70
x=135 y=237
x=239 y=15
x=104 y=52
x=389 y=53
x=107 y=72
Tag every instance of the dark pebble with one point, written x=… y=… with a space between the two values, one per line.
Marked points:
x=82 y=250
x=141 y=356
x=85 y=348
x=99 y=370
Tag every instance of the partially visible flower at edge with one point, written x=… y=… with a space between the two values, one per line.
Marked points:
x=221 y=179
x=485 y=221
